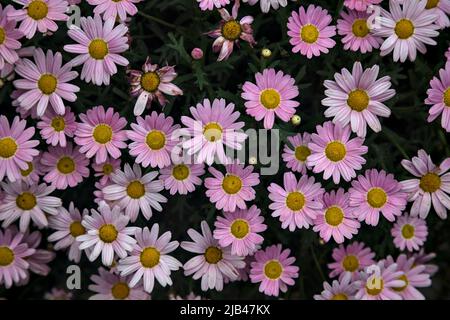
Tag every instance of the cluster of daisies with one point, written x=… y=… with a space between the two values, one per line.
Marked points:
x=179 y=156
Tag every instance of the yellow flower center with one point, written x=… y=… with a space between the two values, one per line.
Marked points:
x=213 y=255
x=155 y=140
x=335 y=151
x=26 y=173
x=376 y=197
x=430 y=182
x=432 y=4
x=374 y=286
x=231 y=30
x=8 y=147
x=47 y=83
x=58 y=123
x=120 y=291
x=76 y=229
x=2 y=35
x=350 y=263
x=273 y=269
x=66 y=165
x=108 y=233
x=405 y=279
x=301 y=153
x=408 y=231
x=212 y=131
x=447 y=97
x=37 y=10
x=136 y=190
x=340 y=296
x=102 y=133
x=150 y=257
x=309 y=33
x=6 y=256
x=231 y=184
x=26 y=201
x=360 y=28
x=150 y=81
x=107 y=169
x=240 y=228
x=358 y=100
x=180 y=172
x=404 y=29
x=98 y=49
x=270 y=99
x=295 y=201
x=334 y=216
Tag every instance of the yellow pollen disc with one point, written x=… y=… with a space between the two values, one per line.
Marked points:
x=350 y=263
x=231 y=184
x=150 y=81
x=335 y=151
x=77 y=229
x=374 y=286
x=270 y=99
x=6 y=256
x=404 y=29
x=26 y=201
x=295 y=201
x=66 y=165
x=432 y=4
x=213 y=255
x=301 y=153
x=309 y=33
x=47 y=83
x=120 y=291
x=377 y=197
x=26 y=173
x=273 y=269
x=155 y=140
x=340 y=296
x=150 y=257
x=2 y=35
x=180 y=172
x=231 y=30
x=360 y=28
x=108 y=233
x=98 y=49
x=58 y=123
x=408 y=231
x=447 y=97
x=430 y=182
x=37 y=10
x=102 y=133
x=334 y=216
x=240 y=228
x=136 y=190
x=358 y=100
x=8 y=147
x=107 y=169
x=212 y=131
x=405 y=279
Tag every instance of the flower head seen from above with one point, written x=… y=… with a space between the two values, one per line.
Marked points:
x=344 y=289
x=9 y=38
x=360 y=5
x=182 y=177
x=439 y=98
x=34 y=171
x=272 y=95
x=409 y=233
x=295 y=158
x=113 y=9
x=211 y=4
x=350 y=260
x=55 y=128
x=106 y=169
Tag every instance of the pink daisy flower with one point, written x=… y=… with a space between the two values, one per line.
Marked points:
x=150 y=259
x=374 y=193
x=350 y=259
x=296 y=158
x=232 y=190
x=182 y=178
x=99 y=47
x=344 y=289
x=310 y=31
x=101 y=133
x=152 y=83
x=441 y=8
x=272 y=95
x=210 y=4
x=9 y=37
x=296 y=204
x=334 y=153
x=64 y=167
x=58 y=294
x=111 y=9
x=409 y=232
x=357 y=98
x=106 y=169
x=439 y=98
x=45 y=81
x=336 y=218
x=274 y=270
x=360 y=5
x=39 y=15
x=213 y=263
x=422 y=258
x=56 y=128
x=240 y=230
x=16 y=148
x=34 y=171
x=40 y=259
x=153 y=139
x=431 y=186
x=211 y=129
x=266 y=4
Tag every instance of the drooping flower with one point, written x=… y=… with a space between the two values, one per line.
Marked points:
x=211 y=4
x=106 y=169
x=439 y=98
x=181 y=177
x=360 y=5
x=296 y=158
x=55 y=128
x=350 y=259
x=113 y=9
x=9 y=37
x=344 y=289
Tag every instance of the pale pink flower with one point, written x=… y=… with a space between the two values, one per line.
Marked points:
x=9 y=37
x=344 y=289
x=55 y=128
x=296 y=158
x=34 y=171
x=114 y=8
x=106 y=169
x=211 y=4
x=350 y=259
x=439 y=98
x=181 y=177
x=360 y=5
x=409 y=233
x=422 y=258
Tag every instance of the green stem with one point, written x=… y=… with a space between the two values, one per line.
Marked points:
x=155 y=19
x=316 y=262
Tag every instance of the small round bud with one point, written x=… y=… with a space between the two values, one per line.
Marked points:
x=197 y=53
x=252 y=160
x=266 y=53
x=296 y=120
x=321 y=241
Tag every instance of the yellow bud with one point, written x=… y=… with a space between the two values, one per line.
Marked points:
x=266 y=53
x=296 y=120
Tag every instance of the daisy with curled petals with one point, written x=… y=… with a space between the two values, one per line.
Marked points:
x=28 y=202
x=181 y=177
x=101 y=133
x=39 y=15
x=274 y=270
x=114 y=8
x=211 y=4
x=152 y=83
x=296 y=158
x=106 y=169
x=67 y=226
x=232 y=190
x=360 y=5
x=266 y=4
x=296 y=204
x=350 y=260
x=213 y=262
x=55 y=128
x=439 y=98
x=310 y=31
x=272 y=95
x=99 y=47
x=107 y=234
x=374 y=193
x=336 y=218
x=240 y=230
x=16 y=148
x=407 y=29
x=150 y=259
x=431 y=187
x=153 y=139
x=334 y=153
x=110 y=286
x=133 y=191
x=344 y=289
x=409 y=233
x=230 y=31
x=9 y=38
x=34 y=171
x=211 y=129
x=64 y=167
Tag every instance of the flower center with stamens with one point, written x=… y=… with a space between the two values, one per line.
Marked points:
x=376 y=197
x=335 y=151
x=102 y=133
x=240 y=228
x=212 y=131
x=404 y=29
x=358 y=100
x=360 y=28
x=231 y=184
x=350 y=263
x=47 y=83
x=270 y=99
x=26 y=173
x=155 y=140
x=213 y=255
x=58 y=123
x=430 y=182
x=120 y=291
x=334 y=216
x=309 y=33
x=150 y=257
x=432 y=4
x=26 y=201
x=66 y=165
x=77 y=229
x=2 y=35
x=108 y=233
x=150 y=81
x=408 y=231
x=295 y=201
x=231 y=30
x=8 y=147
x=301 y=153
x=180 y=172
x=273 y=269
x=98 y=49
x=37 y=10
x=340 y=296
x=6 y=256
x=135 y=189
x=374 y=286
x=405 y=279
x=447 y=97
x=107 y=169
